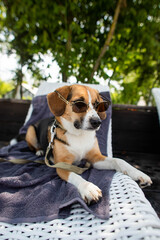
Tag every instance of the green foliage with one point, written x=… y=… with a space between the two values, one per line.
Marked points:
x=5 y=87
x=74 y=31
x=137 y=50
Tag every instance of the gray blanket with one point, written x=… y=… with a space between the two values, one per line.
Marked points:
x=34 y=192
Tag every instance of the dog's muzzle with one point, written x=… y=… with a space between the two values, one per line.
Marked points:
x=95 y=122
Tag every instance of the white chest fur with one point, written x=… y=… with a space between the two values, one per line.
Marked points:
x=79 y=145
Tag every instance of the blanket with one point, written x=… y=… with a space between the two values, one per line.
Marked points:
x=34 y=192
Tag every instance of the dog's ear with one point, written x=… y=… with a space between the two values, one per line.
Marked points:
x=56 y=104
x=102 y=115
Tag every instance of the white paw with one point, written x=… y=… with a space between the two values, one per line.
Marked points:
x=90 y=192
x=40 y=153
x=143 y=179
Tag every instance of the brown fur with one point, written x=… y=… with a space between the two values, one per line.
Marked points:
x=94 y=154
x=31 y=139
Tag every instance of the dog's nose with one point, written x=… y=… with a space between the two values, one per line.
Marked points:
x=95 y=122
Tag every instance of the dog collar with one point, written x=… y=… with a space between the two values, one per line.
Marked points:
x=55 y=125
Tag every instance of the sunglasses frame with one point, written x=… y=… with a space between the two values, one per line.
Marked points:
x=87 y=105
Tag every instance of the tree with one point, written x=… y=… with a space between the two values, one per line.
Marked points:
x=137 y=58
x=76 y=31
x=20 y=42
x=109 y=37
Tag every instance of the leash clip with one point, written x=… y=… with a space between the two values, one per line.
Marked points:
x=50 y=146
x=53 y=127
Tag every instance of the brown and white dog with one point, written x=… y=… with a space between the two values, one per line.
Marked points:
x=79 y=111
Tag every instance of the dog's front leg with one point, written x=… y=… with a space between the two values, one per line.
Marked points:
x=122 y=166
x=88 y=191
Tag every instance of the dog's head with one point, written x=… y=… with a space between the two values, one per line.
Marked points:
x=77 y=107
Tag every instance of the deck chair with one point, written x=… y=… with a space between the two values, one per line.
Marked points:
x=131 y=215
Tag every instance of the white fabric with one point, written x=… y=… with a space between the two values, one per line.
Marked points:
x=156 y=94
x=47 y=87
x=131 y=217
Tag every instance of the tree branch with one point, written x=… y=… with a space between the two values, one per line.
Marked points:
x=109 y=38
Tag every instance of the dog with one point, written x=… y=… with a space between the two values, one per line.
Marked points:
x=79 y=111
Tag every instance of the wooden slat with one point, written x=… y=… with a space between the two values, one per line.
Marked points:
x=135 y=129
x=12 y=117
x=134 y=107
x=13 y=110
x=135 y=141
x=135 y=120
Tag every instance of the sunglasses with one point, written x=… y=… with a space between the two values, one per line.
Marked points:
x=81 y=106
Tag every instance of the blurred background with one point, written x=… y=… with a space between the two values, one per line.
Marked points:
x=109 y=42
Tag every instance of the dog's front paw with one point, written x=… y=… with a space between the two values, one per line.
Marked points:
x=90 y=192
x=143 y=179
